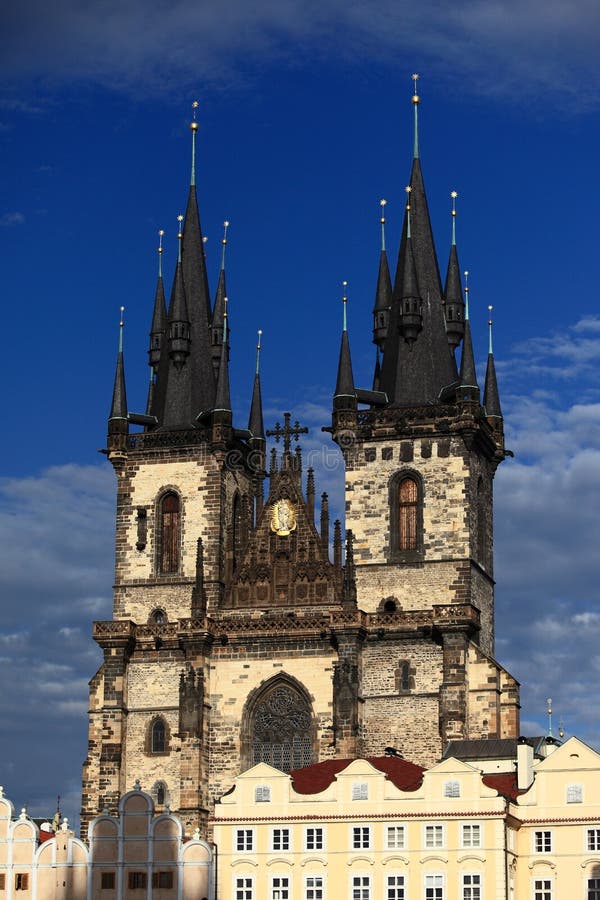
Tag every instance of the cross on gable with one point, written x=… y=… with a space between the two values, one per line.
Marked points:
x=287 y=432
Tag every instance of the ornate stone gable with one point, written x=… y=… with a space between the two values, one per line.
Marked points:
x=285 y=562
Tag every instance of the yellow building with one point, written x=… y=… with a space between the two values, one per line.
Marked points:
x=385 y=828
x=556 y=831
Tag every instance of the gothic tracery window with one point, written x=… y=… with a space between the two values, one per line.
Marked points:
x=280 y=729
x=169 y=518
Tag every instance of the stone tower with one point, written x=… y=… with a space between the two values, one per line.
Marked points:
x=235 y=638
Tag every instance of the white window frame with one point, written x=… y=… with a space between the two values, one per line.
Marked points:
x=541 y=889
x=364 y=889
x=543 y=837
x=277 y=891
x=317 y=837
x=470 y=843
x=594 y=833
x=360 y=790
x=366 y=831
x=395 y=887
x=466 y=890
x=435 y=829
x=399 y=832
x=249 y=836
x=262 y=793
x=244 y=888
x=314 y=888
x=438 y=883
x=452 y=789
x=284 y=835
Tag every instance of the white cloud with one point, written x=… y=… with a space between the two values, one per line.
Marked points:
x=514 y=44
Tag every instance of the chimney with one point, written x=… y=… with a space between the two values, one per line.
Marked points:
x=524 y=764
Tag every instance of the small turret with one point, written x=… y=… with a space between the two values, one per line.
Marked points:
x=469 y=388
x=344 y=398
x=383 y=295
x=217 y=324
x=158 y=328
x=256 y=428
x=118 y=425
x=222 y=414
x=454 y=307
x=411 y=307
x=179 y=322
x=349 y=594
x=491 y=396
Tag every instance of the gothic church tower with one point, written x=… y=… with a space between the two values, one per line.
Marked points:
x=235 y=638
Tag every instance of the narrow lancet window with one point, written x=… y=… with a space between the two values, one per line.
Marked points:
x=408 y=515
x=169 y=534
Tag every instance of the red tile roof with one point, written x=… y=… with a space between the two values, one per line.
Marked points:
x=312 y=779
x=505 y=784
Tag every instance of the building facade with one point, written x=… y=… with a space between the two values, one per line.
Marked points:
x=383 y=827
x=239 y=635
x=125 y=857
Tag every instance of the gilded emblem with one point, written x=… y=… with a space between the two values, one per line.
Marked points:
x=283 y=517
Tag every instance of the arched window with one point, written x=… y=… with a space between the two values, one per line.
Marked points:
x=158 y=617
x=279 y=729
x=406 y=517
x=408 y=500
x=169 y=515
x=158 y=743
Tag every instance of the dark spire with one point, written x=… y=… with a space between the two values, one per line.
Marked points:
x=255 y=422
x=173 y=388
x=453 y=300
x=491 y=397
x=469 y=388
x=118 y=425
x=158 y=330
x=325 y=522
x=118 y=407
x=202 y=379
x=222 y=398
x=383 y=294
x=345 y=379
x=416 y=374
x=219 y=308
x=411 y=315
x=179 y=322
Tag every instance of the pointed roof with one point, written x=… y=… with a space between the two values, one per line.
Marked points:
x=468 y=372
x=255 y=422
x=344 y=386
x=383 y=293
x=173 y=388
x=218 y=313
x=453 y=287
x=118 y=407
x=223 y=397
x=196 y=285
x=416 y=373
x=491 y=395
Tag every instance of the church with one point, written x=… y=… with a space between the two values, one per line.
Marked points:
x=245 y=630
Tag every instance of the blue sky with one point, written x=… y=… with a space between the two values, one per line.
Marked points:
x=305 y=124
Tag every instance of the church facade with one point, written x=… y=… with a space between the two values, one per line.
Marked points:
x=246 y=631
